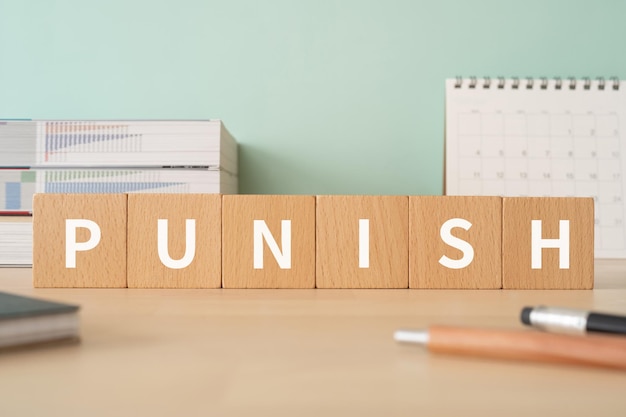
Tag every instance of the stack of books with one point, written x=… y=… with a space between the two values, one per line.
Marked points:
x=160 y=156
x=16 y=241
x=113 y=156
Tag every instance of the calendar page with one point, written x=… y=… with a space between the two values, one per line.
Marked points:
x=541 y=137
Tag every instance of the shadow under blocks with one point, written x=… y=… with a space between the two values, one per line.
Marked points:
x=326 y=241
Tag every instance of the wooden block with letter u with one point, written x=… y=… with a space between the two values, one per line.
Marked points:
x=547 y=243
x=268 y=241
x=362 y=241
x=174 y=241
x=79 y=240
x=456 y=242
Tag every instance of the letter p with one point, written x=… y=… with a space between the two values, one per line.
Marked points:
x=71 y=246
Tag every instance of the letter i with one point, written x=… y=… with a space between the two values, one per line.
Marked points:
x=364 y=243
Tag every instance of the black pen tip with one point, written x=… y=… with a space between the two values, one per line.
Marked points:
x=525 y=316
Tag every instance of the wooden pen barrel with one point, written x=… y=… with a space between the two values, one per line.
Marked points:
x=591 y=350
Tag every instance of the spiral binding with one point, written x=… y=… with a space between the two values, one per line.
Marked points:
x=530 y=83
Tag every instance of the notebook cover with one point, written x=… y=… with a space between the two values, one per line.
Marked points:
x=15 y=306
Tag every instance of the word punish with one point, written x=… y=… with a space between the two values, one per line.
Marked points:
x=282 y=241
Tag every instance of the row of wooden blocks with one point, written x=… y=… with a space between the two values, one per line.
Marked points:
x=294 y=241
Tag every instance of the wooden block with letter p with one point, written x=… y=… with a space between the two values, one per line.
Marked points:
x=456 y=242
x=79 y=240
x=362 y=242
x=547 y=243
x=268 y=241
x=174 y=240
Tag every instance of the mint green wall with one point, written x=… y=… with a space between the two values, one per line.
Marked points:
x=323 y=96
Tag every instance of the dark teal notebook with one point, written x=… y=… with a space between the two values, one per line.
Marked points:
x=27 y=320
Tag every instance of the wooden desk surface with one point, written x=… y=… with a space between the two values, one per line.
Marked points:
x=296 y=353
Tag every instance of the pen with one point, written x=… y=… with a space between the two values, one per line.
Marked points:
x=572 y=321
x=592 y=350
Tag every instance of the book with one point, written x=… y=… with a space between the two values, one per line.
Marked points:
x=117 y=143
x=16 y=241
x=113 y=156
x=541 y=137
x=27 y=320
x=17 y=186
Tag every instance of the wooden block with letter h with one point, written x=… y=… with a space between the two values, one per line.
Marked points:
x=174 y=240
x=362 y=241
x=79 y=240
x=268 y=241
x=455 y=242
x=547 y=243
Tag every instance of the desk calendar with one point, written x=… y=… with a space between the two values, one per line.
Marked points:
x=541 y=137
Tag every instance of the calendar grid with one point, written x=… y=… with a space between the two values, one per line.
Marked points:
x=558 y=143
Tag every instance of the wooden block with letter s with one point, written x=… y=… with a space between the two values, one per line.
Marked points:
x=548 y=243
x=362 y=241
x=455 y=242
x=174 y=240
x=79 y=240
x=268 y=241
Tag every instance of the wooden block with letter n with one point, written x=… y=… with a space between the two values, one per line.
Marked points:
x=362 y=242
x=174 y=241
x=79 y=240
x=268 y=241
x=547 y=243
x=456 y=242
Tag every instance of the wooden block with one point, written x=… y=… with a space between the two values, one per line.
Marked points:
x=268 y=241
x=438 y=259
x=569 y=266
x=171 y=262
x=66 y=249
x=347 y=257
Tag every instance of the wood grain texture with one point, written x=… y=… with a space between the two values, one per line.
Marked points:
x=591 y=350
x=427 y=214
x=101 y=267
x=145 y=268
x=338 y=241
x=518 y=213
x=299 y=353
x=238 y=215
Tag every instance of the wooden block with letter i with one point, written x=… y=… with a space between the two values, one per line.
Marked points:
x=362 y=242
x=79 y=240
x=455 y=241
x=547 y=243
x=174 y=240
x=268 y=241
